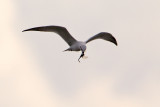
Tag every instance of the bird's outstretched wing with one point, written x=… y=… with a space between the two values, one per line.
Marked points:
x=62 y=31
x=105 y=36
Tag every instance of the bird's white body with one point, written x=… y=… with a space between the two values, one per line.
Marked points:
x=71 y=41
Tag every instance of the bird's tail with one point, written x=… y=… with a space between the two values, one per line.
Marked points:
x=69 y=49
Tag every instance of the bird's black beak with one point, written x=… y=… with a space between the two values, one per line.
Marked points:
x=81 y=56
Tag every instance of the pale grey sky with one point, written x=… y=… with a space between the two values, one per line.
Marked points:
x=35 y=71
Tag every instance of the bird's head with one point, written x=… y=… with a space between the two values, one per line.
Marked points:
x=83 y=48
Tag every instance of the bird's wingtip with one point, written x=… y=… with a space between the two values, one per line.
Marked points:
x=116 y=44
x=25 y=30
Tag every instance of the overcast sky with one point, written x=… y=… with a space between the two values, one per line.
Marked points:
x=34 y=72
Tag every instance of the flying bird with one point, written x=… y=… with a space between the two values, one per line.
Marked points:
x=74 y=45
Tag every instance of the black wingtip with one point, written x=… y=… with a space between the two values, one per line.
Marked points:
x=116 y=43
x=25 y=30
x=31 y=29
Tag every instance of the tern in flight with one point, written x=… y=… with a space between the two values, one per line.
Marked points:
x=74 y=45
